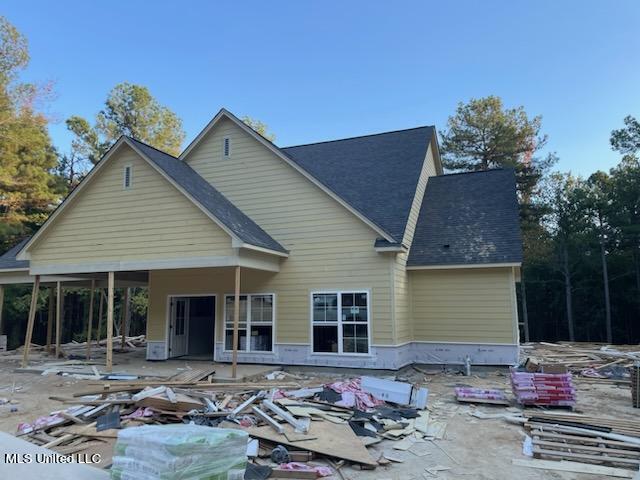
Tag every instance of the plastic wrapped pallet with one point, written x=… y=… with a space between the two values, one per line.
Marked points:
x=179 y=452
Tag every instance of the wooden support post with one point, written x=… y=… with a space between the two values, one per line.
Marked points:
x=1 y=305
x=236 y=323
x=123 y=323
x=59 y=308
x=110 y=288
x=90 y=318
x=50 y=315
x=101 y=300
x=32 y=319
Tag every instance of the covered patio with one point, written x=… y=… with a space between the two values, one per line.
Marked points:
x=103 y=285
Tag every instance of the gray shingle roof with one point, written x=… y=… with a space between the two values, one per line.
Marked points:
x=375 y=174
x=210 y=198
x=475 y=214
x=8 y=259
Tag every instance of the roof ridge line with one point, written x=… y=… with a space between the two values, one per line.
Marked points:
x=152 y=147
x=357 y=136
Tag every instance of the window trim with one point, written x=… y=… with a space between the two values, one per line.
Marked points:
x=249 y=322
x=124 y=177
x=339 y=322
x=226 y=146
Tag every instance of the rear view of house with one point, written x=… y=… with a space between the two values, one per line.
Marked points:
x=357 y=252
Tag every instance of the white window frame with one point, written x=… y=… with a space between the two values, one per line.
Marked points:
x=339 y=322
x=249 y=323
x=226 y=141
x=124 y=177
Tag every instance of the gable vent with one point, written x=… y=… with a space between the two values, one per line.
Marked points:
x=226 y=147
x=126 y=177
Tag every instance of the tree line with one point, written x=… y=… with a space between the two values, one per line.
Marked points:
x=581 y=236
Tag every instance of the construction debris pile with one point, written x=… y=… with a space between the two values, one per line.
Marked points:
x=312 y=430
x=599 y=363
x=78 y=350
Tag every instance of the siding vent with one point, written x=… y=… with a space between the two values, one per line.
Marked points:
x=226 y=147
x=126 y=177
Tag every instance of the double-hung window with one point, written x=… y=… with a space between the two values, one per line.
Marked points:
x=255 y=328
x=340 y=322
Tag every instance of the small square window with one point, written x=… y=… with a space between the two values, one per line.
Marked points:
x=226 y=147
x=127 y=177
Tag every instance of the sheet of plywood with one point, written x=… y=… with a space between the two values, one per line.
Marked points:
x=333 y=440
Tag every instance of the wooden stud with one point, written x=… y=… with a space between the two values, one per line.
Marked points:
x=1 y=305
x=110 y=283
x=125 y=314
x=101 y=300
x=30 y=322
x=90 y=318
x=50 y=315
x=59 y=309
x=236 y=323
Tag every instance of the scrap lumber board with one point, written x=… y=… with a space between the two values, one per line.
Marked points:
x=575 y=467
x=583 y=456
x=193 y=374
x=333 y=440
x=161 y=402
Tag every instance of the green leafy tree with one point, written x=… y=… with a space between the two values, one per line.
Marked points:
x=129 y=110
x=259 y=127
x=627 y=140
x=27 y=157
x=483 y=134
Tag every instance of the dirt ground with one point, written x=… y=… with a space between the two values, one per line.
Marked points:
x=472 y=448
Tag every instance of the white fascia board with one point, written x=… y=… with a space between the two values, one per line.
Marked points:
x=274 y=149
x=240 y=244
x=462 y=266
x=159 y=264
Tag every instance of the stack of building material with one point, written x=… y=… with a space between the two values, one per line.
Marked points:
x=179 y=451
x=481 y=395
x=579 y=438
x=544 y=389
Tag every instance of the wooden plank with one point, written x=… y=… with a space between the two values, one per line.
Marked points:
x=109 y=355
x=90 y=318
x=236 y=323
x=31 y=321
x=333 y=440
x=575 y=467
x=584 y=456
x=587 y=440
x=586 y=448
x=59 y=440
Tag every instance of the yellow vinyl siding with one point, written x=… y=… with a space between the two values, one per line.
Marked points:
x=150 y=220
x=330 y=248
x=463 y=305
x=402 y=306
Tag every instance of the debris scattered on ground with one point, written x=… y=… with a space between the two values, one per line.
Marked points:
x=291 y=422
